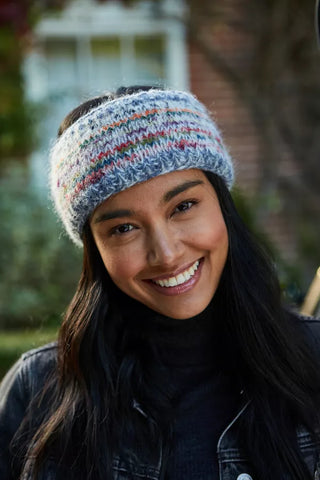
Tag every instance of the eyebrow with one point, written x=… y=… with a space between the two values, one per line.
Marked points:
x=113 y=214
x=180 y=188
x=120 y=213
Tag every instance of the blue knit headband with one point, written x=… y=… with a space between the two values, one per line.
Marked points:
x=127 y=141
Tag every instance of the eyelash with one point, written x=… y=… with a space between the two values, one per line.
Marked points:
x=116 y=230
x=186 y=203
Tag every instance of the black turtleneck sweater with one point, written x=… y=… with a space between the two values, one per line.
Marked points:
x=189 y=366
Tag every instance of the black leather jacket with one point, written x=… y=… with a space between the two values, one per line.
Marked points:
x=28 y=375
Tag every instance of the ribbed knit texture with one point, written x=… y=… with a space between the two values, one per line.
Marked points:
x=130 y=140
x=208 y=405
x=189 y=365
x=205 y=398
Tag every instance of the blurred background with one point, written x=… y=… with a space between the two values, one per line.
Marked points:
x=256 y=65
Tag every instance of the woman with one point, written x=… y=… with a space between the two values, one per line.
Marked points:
x=176 y=359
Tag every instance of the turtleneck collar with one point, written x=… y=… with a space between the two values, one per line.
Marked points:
x=194 y=341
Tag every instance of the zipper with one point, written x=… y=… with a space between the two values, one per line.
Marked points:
x=136 y=405
x=226 y=430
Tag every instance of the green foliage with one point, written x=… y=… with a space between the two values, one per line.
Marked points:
x=290 y=275
x=16 y=118
x=247 y=210
x=39 y=267
x=308 y=240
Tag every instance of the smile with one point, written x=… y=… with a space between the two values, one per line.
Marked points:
x=180 y=279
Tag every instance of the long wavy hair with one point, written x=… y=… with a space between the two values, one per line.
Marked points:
x=101 y=365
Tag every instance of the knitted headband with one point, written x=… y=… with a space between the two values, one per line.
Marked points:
x=127 y=141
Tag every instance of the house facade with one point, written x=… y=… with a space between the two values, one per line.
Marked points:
x=91 y=47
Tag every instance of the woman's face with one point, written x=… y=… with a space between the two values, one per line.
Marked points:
x=164 y=242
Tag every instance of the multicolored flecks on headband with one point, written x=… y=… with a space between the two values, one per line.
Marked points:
x=130 y=140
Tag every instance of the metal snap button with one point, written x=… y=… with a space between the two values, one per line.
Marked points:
x=244 y=476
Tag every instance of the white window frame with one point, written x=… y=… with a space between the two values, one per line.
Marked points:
x=83 y=20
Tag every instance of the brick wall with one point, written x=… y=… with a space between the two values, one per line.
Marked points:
x=240 y=135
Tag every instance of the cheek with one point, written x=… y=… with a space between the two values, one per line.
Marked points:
x=221 y=243
x=220 y=237
x=121 y=265
x=212 y=235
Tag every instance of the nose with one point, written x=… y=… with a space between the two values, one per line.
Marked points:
x=164 y=247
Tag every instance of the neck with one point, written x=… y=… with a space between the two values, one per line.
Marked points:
x=192 y=341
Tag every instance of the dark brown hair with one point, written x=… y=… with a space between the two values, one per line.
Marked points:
x=101 y=369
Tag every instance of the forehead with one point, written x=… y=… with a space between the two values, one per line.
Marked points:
x=154 y=189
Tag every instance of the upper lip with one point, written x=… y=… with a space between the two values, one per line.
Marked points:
x=175 y=272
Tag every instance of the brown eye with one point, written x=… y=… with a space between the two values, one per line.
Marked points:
x=184 y=206
x=122 y=229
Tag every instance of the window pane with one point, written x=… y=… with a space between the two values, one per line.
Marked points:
x=63 y=81
x=105 y=64
x=150 y=58
x=61 y=64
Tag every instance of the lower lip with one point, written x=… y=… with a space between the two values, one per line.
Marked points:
x=179 y=289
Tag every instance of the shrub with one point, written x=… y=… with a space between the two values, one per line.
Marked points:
x=39 y=266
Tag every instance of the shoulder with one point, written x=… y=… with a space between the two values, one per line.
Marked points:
x=38 y=364
x=311 y=325
x=45 y=353
x=30 y=372
x=310 y=328
x=20 y=386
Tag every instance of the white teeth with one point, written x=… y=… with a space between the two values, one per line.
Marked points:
x=186 y=276
x=180 y=278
